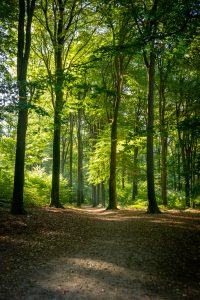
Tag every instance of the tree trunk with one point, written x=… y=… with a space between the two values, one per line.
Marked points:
x=163 y=137
x=98 y=193
x=63 y=155
x=94 y=195
x=24 y=44
x=123 y=177
x=179 y=167
x=152 y=205
x=112 y=178
x=55 y=199
x=185 y=152
x=186 y=160
x=71 y=151
x=80 y=195
x=164 y=169
x=135 y=174
x=103 y=194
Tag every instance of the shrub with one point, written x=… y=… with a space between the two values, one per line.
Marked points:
x=37 y=187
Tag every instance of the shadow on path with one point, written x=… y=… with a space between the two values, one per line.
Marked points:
x=113 y=255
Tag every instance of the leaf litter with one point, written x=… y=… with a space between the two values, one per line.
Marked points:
x=97 y=254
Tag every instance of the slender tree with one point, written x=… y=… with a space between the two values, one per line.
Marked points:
x=80 y=195
x=152 y=208
x=71 y=120
x=26 y=10
x=59 y=39
x=112 y=179
x=151 y=29
x=163 y=74
x=59 y=30
x=120 y=63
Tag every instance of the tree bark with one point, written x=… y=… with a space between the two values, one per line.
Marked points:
x=185 y=144
x=94 y=195
x=71 y=151
x=64 y=154
x=123 y=176
x=112 y=178
x=164 y=170
x=163 y=138
x=152 y=204
x=55 y=198
x=24 y=44
x=103 y=194
x=80 y=194
x=179 y=167
x=135 y=174
x=186 y=160
x=58 y=23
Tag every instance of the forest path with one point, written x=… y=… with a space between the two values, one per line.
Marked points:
x=97 y=254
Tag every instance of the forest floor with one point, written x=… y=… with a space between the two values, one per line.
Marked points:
x=97 y=254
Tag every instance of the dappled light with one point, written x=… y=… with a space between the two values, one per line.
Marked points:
x=87 y=278
x=99 y=150
x=92 y=253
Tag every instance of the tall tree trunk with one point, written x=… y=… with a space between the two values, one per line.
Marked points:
x=94 y=195
x=80 y=195
x=135 y=174
x=71 y=150
x=112 y=178
x=163 y=137
x=24 y=44
x=64 y=152
x=123 y=176
x=103 y=194
x=164 y=169
x=55 y=199
x=179 y=167
x=58 y=27
x=98 y=193
x=186 y=153
x=152 y=205
x=186 y=159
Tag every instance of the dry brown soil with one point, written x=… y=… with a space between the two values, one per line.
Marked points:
x=98 y=254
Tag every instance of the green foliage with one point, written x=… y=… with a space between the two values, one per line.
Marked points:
x=38 y=188
x=99 y=32
x=6 y=184
x=124 y=196
x=7 y=152
x=67 y=194
x=98 y=169
x=176 y=199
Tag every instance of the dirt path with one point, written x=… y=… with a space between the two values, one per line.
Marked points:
x=96 y=254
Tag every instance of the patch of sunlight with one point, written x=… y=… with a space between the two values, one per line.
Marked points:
x=94 y=265
x=168 y=221
x=121 y=215
x=182 y=223
x=86 y=278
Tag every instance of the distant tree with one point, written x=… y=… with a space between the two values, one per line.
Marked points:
x=187 y=116
x=163 y=73
x=80 y=184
